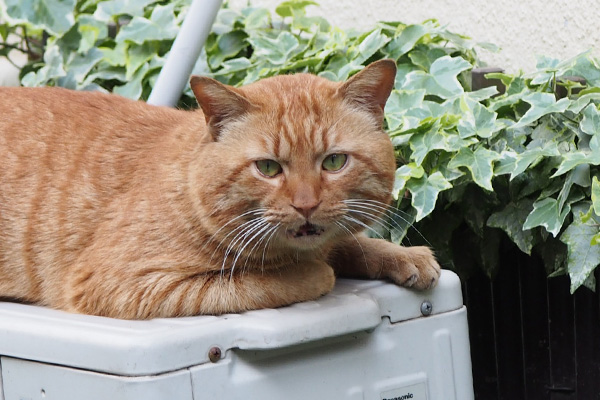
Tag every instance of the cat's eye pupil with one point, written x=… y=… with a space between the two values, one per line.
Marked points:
x=268 y=168
x=335 y=162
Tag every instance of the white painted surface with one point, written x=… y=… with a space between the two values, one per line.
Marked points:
x=523 y=29
x=151 y=347
x=365 y=340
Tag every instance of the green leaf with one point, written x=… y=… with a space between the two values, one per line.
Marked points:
x=134 y=88
x=54 y=16
x=234 y=65
x=442 y=77
x=370 y=45
x=310 y=24
x=435 y=138
x=138 y=55
x=479 y=162
x=580 y=175
x=541 y=104
x=106 y=11
x=228 y=46
x=425 y=192
x=292 y=7
x=53 y=68
x=477 y=120
x=407 y=39
x=276 y=51
x=583 y=100
x=547 y=213
x=425 y=56
x=590 y=123
x=572 y=160
x=161 y=25
x=399 y=102
x=91 y=30
x=116 y=57
x=78 y=67
x=404 y=174
x=511 y=220
x=583 y=256
x=596 y=195
x=258 y=18
x=531 y=157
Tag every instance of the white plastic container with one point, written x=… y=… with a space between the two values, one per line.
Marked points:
x=365 y=340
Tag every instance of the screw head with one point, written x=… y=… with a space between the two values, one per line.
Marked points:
x=426 y=308
x=214 y=354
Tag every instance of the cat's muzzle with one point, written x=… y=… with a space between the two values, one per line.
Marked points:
x=305 y=230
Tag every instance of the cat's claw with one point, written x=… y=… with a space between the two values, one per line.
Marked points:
x=414 y=267
x=411 y=280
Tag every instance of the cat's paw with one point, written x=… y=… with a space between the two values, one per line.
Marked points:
x=414 y=267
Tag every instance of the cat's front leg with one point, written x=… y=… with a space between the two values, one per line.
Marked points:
x=168 y=291
x=363 y=257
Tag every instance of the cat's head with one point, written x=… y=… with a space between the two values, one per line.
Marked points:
x=294 y=161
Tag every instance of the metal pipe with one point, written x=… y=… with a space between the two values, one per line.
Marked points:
x=185 y=52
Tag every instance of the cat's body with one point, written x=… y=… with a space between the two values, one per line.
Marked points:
x=118 y=208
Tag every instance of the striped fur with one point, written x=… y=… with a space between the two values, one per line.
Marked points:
x=117 y=208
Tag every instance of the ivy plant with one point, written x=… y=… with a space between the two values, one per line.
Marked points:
x=474 y=166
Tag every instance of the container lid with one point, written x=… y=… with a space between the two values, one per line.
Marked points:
x=134 y=348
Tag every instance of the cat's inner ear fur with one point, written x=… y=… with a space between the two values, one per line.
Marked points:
x=220 y=103
x=371 y=87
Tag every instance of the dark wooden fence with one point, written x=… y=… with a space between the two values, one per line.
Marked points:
x=530 y=338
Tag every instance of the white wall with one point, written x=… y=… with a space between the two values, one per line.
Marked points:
x=522 y=28
x=9 y=74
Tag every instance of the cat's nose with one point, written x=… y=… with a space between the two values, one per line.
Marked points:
x=306 y=210
x=305 y=198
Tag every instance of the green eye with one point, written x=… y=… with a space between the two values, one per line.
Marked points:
x=334 y=162
x=268 y=168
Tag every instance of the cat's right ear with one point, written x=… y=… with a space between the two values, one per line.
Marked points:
x=220 y=103
x=370 y=88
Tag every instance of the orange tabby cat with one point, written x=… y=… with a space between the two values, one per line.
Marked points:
x=117 y=208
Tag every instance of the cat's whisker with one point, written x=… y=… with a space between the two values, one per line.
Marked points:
x=233 y=231
x=345 y=228
x=241 y=229
x=241 y=236
x=259 y=230
x=379 y=207
x=258 y=211
x=267 y=243
x=358 y=222
x=395 y=212
x=373 y=218
x=375 y=215
x=269 y=231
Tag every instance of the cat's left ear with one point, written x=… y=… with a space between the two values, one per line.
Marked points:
x=371 y=87
x=220 y=103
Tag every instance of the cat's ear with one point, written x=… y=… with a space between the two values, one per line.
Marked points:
x=371 y=87
x=220 y=103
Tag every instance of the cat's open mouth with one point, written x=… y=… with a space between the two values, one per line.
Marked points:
x=306 y=230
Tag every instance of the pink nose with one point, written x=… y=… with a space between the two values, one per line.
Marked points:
x=306 y=210
x=305 y=197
